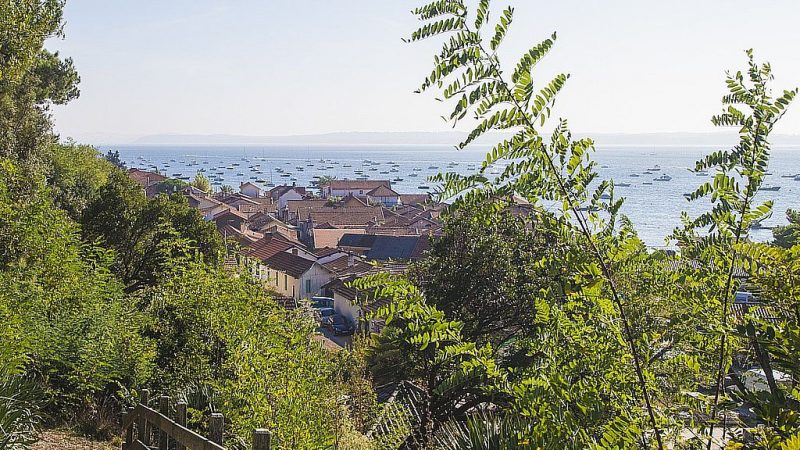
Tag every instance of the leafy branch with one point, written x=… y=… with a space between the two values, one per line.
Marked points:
x=740 y=172
x=559 y=170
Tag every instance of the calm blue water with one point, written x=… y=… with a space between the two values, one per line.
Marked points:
x=654 y=208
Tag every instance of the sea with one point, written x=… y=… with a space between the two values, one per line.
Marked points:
x=653 y=206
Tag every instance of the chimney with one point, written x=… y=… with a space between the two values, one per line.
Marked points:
x=351 y=260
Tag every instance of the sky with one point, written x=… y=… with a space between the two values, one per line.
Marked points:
x=288 y=67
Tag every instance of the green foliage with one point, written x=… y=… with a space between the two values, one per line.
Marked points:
x=70 y=324
x=202 y=182
x=169 y=186
x=75 y=175
x=713 y=237
x=448 y=369
x=555 y=170
x=31 y=78
x=20 y=401
x=113 y=158
x=147 y=235
x=787 y=236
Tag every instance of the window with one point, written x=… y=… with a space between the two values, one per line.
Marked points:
x=285 y=281
x=308 y=286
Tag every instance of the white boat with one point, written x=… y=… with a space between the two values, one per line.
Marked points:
x=664 y=177
x=771 y=188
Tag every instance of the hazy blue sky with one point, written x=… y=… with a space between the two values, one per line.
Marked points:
x=280 y=67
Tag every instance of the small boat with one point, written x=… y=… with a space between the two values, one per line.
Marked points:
x=664 y=177
x=790 y=176
x=771 y=188
x=622 y=185
x=648 y=183
x=412 y=175
x=701 y=173
x=634 y=175
x=416 y=169
x=397 y=179
x=433 y=167
x=423 y=187
x=647 y=172
x=605 y=196
x=655 y=169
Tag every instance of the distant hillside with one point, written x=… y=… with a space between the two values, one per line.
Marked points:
x=445 y=138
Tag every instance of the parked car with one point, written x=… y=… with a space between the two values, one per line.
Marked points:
x=322 y=302
x=341 y=326
x=325 y=316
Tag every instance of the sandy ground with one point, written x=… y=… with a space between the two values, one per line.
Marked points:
x=65 y=440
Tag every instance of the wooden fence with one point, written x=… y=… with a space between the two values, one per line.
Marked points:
x=144 y=428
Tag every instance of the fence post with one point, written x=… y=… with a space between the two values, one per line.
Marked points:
x=129 y=431
x=163 y=408
x=216 y=428
x=144 y=428
x=180 y=419
x=127 y=439
x=262 y=439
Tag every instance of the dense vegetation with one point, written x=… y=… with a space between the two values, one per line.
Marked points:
x=543 y=323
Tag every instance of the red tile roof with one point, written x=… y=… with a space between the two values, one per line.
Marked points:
x=383 y=191
x=358 y=184
x=268 y=247
x=144 y=177
x=346 y=216
x=289 y=263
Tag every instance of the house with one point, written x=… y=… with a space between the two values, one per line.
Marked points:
x=341 y=218
x=251 y=190
x=293 y=276
x=241 y=203
x=383 y=195
x=414 y=199
x=326 y=235
x=356 y=188
x=300 y=208
x=267 y=223
x=243 y=237
x=282 y=194
x=145 y=178
x=354 y=305
x=385 y=247
x=274 y=243
x=232 y=218
x=208 y=206
x=351 y=201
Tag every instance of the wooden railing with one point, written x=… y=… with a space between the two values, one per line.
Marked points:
x=142 y=426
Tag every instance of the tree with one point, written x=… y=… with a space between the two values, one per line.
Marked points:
x=201 y=182
x=70 y=326
x=75 y=175
x=113 y=158
x=226 y=189
x=325 y=180
x=714 y=237
x=31 y=78
x=558 y=169
x=479 y=271
x=146 y=234
x=787 y=236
